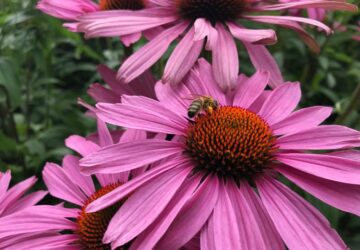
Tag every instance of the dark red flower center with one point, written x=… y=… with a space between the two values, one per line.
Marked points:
x=212 y=10
x=122 y=4
x=92 y=226
x=230 y=142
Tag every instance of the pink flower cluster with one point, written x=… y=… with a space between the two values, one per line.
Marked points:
x=199 y=158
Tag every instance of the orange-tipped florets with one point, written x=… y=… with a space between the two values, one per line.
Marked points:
x=212 y=10
x=122 y=4
x=92 y=226
x=231 y=142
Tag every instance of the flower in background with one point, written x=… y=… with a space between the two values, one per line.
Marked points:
x=197 y=22
x=16 y=212
x=71 y=10
x=205 y=186
x=143 y=85
x=72 y=228
x=313 y=13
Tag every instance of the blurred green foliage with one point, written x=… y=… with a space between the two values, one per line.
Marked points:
x=44 y=69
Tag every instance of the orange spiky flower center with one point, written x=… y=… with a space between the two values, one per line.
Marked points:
x=122 y=4
x=212 y=10
x=230 y=142
x=92 y=226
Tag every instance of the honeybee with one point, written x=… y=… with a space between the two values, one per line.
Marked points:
x=202 y=103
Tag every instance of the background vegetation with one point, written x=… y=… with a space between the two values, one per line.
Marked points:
x=44 y=68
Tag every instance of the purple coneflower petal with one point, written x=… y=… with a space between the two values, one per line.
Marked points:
x=143 y=207
x=101 y=94
x=280 y=103
x=250 y=89
x=203 y=28
x=129 y=39
x=258 y=103
x=300 y=225
x=257 y=231
x=132 y=185
x=329 y=5
x=252 y=36
x=321 y=137
x=27 y=201
x=81 y=145
x=326 y=166
x=5 y=179
x=301 y=120
x=350 y=154
x=151 y=235
x=192 y=217
x=343 y=196
x=182 y=58
x=149 y=54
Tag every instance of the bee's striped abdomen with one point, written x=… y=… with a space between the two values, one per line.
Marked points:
x=194 y=108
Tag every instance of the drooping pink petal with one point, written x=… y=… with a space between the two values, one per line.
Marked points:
x=14 y=194
x=340 y=195
x=101 y=94
x=329 y=5
x=143 y=207
x=153 y=117
x=72 y=170
x=256 y=229
x=129 y=39
x=207 y=239
x=129 y=155
x=149 y=54
x=26 y=201
x=151 y=235
x=37 y=219
x=225 y=59
x=123 y=22
x=81 y=145
x=132 y=185
x=225 y=230
x=203 y=28
x=280 y=103
x=255 y=36
x=301 y=120
x=326 y=166
x=300 y=225
x=182 y=58
x=250 y=89
x=350 y=154
x=258 y=103
x=4 y=182
x=263 y=60
x=192 y=217
x=61 y=186
x=321 y=137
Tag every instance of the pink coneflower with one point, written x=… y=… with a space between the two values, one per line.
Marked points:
x=143 y=85
x=71 y=10
x=209 y=172
x=17 y=229
x=213 y=21
x=56 y=227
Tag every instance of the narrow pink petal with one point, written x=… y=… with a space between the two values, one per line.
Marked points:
x=129 y=39
x=321 y=137
x=101 y=94
x=343 y=196
x=329 y=5
x=149 y=54
x=37 y=219
x=225 y=60
x=4 y=182
x=259 y=102
x=350 y=154
x=151 y=235
x=225 y=230
x=300 y=225
x=250 y=89
x=26 y=201
x=192 y=217
x=326 y=166
x=301 y=120
x=105 y=137
x=14 y=193
x=61 y=186
x=280 y=103
x=263 y=60
x=207 y=239
x=72 y=169
x=251 y=35
x=182 y=58
x=81 y=145
x=143 y=207
x=123 y=22
x=153 y=116
x=129 y=155
x=203 y=28
x=257 y=231
x=176 y=98
x=132 y=185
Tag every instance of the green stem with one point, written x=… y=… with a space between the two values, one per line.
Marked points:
x=353 y=104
